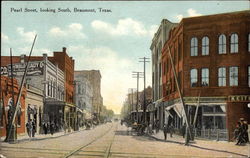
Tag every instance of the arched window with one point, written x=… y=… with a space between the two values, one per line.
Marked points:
x=193 y=77
x=194 y=46
x=205 y=45
x=222 y=44
x=234 y=43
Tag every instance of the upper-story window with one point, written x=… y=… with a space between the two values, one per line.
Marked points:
x=204 y=77
x=222 y=44
x=249 y=76
x=194 y=46
x=234 y=43
x=205 y=45
x=222 y=76
x=193 y=78
x=233 y=76
x=249 y=42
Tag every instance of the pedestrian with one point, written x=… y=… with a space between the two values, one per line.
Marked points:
x=245 y=130
x=165 y=130
x=171 y=130
x=52 y=128
x=240 y=138
x=45 y=127
x=29 y=128
x=183 y=130
x=157 y=126
x=33 y=131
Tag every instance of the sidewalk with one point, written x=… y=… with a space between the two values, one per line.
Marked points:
x=209 y=145
x=25 y=137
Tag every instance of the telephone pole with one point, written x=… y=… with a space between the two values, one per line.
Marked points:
x=137 y=75
x=144 y=60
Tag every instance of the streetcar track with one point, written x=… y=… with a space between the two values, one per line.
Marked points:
x=75 y=152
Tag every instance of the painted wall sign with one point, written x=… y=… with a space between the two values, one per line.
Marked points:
x=239 y=98
x=35 y=69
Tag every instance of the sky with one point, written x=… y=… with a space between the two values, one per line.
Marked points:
x=111 y=42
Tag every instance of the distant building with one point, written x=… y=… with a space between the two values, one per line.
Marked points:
x=94 y=76
x=211 y=58
x=83 y=98
x=158 y=41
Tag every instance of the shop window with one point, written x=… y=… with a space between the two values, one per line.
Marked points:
x=222 y=44
x=193 y=78
x=204 y=77
x=234 y=43
x=194 y=46
x=208 y=109
x=233 y=76
x=222 y=76
x=205 y=45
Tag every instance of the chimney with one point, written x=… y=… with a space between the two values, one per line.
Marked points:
x=64 y=49
x=22 y=58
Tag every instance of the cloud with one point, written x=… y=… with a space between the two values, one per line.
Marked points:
x=115 y=71
x=190 y=13
x=26 y=36
x=4 y=38
x=127 y=26
x=73 y=30
x=179 y=17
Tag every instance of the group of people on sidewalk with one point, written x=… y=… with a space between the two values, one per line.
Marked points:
x=31 y=128
x=46 y=127
x=240 y=133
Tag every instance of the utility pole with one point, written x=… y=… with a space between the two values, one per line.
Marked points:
x=182 y=101
x=137 y=75
x=13 y=116
x=144 y=60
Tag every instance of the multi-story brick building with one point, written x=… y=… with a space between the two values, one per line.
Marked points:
x=42 y=77
x=211 y=55
x=54 y=75
x=6 y=104
x=67 y=65
x=160 y=37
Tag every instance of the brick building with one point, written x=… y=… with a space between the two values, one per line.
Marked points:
x=6 y=92
x=54 y=75
x=211 y=55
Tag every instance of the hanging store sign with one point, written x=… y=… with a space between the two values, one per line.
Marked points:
x=239 y=98
x=35 y=69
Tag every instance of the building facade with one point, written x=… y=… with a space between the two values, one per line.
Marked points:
x=6 y=104
x=83 y=98
x=34 y=107
x=160 y=37
x=94 y=77
x=211 y=59
x=42 y=76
